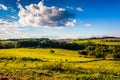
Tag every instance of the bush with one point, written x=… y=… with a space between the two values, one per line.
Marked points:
x=30 y=59
x=52 y=51
x=116 y=55
x=83 y=52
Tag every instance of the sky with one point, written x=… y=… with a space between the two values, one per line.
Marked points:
x=59 y=19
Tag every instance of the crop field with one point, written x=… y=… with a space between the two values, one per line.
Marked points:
x=41 y=64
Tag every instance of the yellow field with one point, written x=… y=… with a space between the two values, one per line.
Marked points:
x=40 y=64
x=60 y=54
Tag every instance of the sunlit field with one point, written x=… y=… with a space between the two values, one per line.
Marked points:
x=59 y=39
x=41 y=64
x=60 y=54
x=96 y=41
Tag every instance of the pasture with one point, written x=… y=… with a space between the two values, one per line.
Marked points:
x=96 y=41
x=40 y=64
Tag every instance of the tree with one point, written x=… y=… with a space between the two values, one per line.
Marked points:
x=52 y=51
x=17 y=44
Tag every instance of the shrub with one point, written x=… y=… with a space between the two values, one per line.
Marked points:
x=116 y=55
x=82 y=52
x=30 y=59
x=52 y=51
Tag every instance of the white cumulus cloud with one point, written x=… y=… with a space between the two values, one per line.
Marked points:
x=39 y=15
x=3 y=7
x=10 y=29
x=7 y=23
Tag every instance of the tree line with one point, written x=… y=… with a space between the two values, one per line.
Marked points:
x=42 y=43
x=88 y=49
x=101 y=51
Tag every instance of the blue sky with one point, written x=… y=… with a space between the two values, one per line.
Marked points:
x=59 y=18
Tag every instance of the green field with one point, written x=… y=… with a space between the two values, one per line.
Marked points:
x=96 y=41
x=78 y=41
x=40 y=64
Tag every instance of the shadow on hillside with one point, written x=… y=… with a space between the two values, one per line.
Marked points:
x=96 y=60
x=87 y=61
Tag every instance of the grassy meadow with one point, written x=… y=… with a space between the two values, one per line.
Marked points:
x=40 y=64
x=96 y=41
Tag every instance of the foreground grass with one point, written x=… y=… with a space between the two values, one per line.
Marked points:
x=40 y=64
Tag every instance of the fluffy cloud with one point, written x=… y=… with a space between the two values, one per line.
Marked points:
x=7 y=26
x=3 y=7
x=39 y=15
x=7 y=23
x=10 y=29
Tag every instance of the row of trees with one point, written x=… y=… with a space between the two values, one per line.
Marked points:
x=50 y=44
x=44 y=44
x=102 y=51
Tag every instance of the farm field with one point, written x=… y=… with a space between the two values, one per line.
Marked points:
x=40 y=64
x=97 y=41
